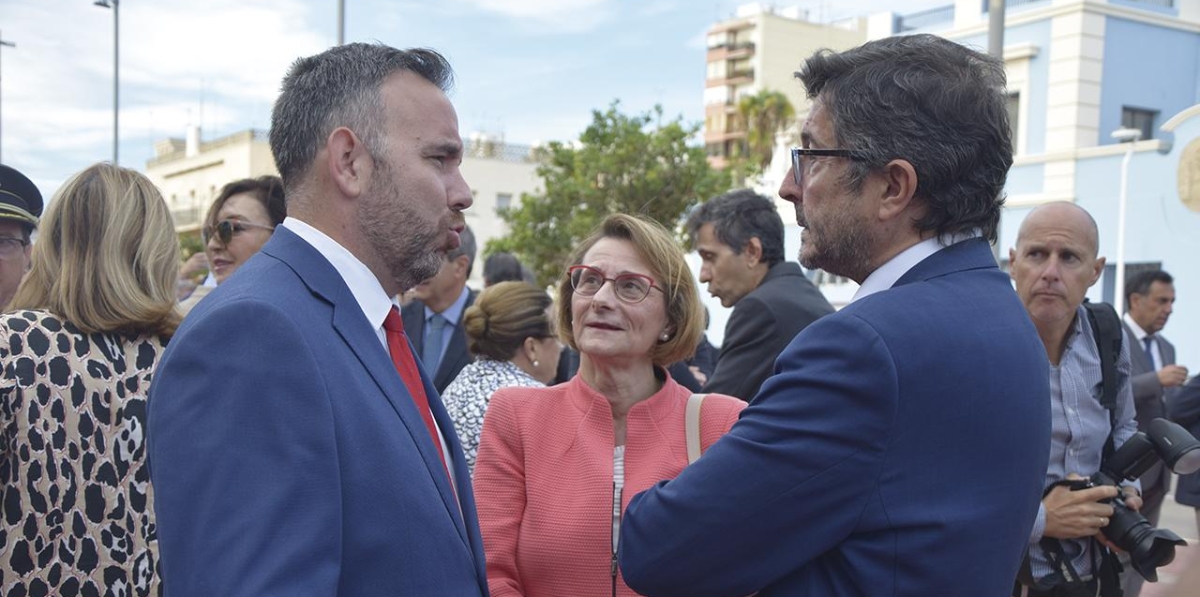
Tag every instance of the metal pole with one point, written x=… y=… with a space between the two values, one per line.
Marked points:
x=341 y=22
x=1119 y=298
x=996 y=28
x=116 y=79
x=11 y=45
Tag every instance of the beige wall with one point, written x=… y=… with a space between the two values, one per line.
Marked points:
x=190 y=183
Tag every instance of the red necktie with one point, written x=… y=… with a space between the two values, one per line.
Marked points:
x=402 y=358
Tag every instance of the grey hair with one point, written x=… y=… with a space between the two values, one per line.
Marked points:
x=466 y=246
x=340 y=88
x=738 y=216
x=929 y=101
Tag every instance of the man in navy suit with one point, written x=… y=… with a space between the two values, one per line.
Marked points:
x=899 y=448
x=296 y=446
x=434 y=318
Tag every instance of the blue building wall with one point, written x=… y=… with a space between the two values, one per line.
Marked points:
x=1158 y=228
x=1038 y=85
x=1146 y=66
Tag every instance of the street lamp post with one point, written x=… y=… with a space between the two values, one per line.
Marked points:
x=10 y=45
x=115 y=5
x=341 y=22
x=1129 y=136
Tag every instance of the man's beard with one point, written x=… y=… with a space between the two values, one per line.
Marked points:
x=843 y=248
x=410 y=248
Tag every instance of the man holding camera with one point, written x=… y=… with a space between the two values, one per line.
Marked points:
x=1054 y=263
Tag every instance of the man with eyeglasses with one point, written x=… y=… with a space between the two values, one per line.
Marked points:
x=901 y=445
x=20 y=208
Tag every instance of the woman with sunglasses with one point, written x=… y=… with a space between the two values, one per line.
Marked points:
x=241 y=219
x=557 y=466
x=78 y=351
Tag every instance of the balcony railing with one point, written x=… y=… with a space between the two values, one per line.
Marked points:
x=925 y=18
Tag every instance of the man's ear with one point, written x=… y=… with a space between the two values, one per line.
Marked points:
x=460 y=265
x=1012 y=259
x=350 y=164
x=1099 y=270
x=900 y=186
x=753 y=251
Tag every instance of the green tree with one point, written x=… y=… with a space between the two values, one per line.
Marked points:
x=764 y=114
x=621 y=164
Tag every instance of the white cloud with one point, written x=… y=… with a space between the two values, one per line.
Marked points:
x=550 y=16
x=58 y=81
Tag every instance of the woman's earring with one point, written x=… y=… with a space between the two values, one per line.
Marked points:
x=536 y=363
x=664 y=337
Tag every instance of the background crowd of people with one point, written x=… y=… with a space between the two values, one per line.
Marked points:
x=319 y=404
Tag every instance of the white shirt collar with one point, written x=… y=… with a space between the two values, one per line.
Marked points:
x=368 y=292
x=886 y=275
x=1138 y=333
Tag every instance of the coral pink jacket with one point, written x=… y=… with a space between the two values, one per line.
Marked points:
x=544 y=480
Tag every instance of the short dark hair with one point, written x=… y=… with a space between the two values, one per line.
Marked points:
x=268 y=190
x=502 y=267
x=932 y=102
x=738 y=216
x=1141 y=282
x=466 y=246
x=340 y=87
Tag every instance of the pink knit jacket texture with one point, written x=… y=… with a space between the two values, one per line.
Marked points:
x=544 y=480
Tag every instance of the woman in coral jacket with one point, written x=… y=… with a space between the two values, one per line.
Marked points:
x=558 y=465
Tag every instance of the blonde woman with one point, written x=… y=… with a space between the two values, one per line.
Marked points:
x=510 y=332
x=78 y=350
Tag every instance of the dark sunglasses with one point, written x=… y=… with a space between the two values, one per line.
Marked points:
x=225 y=230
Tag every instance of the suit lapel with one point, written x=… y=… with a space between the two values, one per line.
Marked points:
x=1139 y=360
x=352 y=325
x=456 y=350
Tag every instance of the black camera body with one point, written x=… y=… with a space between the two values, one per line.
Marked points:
x=1148 y=547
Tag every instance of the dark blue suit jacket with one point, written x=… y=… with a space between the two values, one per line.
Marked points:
x=287 y=457
x=900 y=449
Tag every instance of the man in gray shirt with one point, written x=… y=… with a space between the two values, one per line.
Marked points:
x=1054 y=263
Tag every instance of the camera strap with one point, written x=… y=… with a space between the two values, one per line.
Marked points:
x=1106 y=328
x=1106 y=568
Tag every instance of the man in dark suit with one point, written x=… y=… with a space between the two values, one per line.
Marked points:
x=1183 y=406
x=296 y=446
x=434 y=318
x=1150 y=298
x=857 y=469
x=739 y=236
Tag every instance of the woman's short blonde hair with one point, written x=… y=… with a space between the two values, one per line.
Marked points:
x=106 y=258
x=655 y=246
x=503 y=316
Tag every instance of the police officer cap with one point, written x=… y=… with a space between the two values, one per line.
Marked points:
x=20 y=199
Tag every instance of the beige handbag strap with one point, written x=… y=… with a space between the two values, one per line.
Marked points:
x=691 y=426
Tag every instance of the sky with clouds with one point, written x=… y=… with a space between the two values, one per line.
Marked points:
x=530 y=70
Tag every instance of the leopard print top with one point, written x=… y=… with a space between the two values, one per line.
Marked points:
x=77 y=510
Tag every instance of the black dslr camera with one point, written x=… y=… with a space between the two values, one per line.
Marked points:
x=1147 y=546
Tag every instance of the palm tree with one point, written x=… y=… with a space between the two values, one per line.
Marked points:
x=765 y=114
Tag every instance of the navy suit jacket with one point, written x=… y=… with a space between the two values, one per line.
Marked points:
x=1184 y=407
x=456 y=356
x=899 y=449
x=287 y=456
